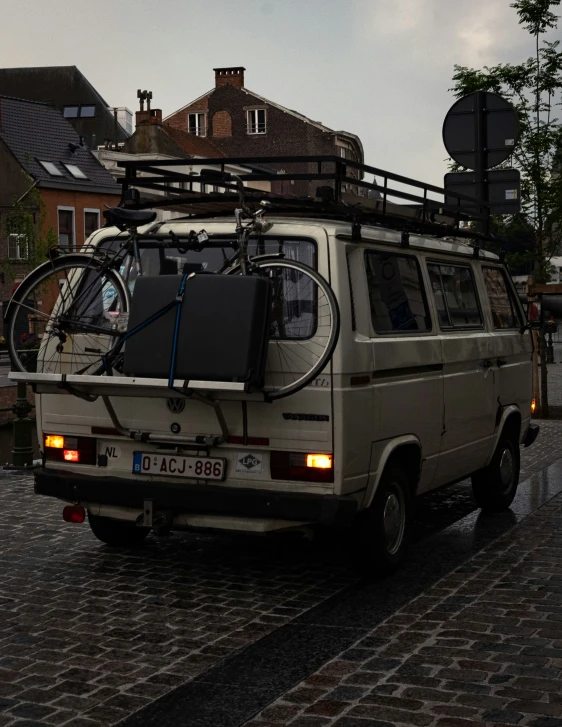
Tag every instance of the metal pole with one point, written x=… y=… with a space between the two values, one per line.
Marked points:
x=481 y=154
x=23 y=448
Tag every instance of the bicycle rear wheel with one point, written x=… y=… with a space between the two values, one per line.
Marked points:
x=65 y=315
x=304 y=329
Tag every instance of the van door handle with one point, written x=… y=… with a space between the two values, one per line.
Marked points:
x=487 y=363
x=502 y=361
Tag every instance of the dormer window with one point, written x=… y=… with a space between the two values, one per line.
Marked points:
x=76 y=172
x=197 y=124
x=86 y=111
x=256 y=121
x=53 y=170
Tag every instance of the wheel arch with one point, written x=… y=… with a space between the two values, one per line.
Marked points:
x=511 y=422
x=406 y=450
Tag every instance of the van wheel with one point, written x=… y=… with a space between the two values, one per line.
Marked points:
x=494 y=487
x=116 y=533
x=383 y=529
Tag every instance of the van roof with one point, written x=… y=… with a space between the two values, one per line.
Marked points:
x=338 y=229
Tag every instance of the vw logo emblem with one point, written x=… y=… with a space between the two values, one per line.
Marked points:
x=175 y=405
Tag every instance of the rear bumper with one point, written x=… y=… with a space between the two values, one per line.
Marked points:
x=198 y=499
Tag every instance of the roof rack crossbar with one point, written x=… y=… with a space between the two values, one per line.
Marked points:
x=346 y=176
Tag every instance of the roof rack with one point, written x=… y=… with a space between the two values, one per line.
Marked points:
x=389 y=200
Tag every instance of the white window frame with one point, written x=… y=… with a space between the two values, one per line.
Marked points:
x=73 y=210
x=90 y=209
x=249 y=124
x=17 y=239
x=201 y=123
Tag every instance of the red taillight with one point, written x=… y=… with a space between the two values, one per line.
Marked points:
x=73 y=514
x=302 y=466
x=61 y=448
x=251 y=441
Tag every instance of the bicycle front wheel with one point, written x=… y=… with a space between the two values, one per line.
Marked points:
x=304 y=328
x=65 y=315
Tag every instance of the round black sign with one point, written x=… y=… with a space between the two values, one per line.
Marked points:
x=501 y=130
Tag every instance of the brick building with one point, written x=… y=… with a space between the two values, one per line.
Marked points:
x=45 y=169
x=243 y=123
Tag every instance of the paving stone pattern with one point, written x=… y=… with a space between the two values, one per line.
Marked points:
x=481 y=647
x=89 y=635
x=91 y=632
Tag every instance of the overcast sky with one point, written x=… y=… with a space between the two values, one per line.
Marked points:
x=378 y=68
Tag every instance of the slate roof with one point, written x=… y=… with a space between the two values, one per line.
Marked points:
x=37 y=132
x=64 y=86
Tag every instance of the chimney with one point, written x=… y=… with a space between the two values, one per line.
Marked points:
x=229 y=76
x=152 y=116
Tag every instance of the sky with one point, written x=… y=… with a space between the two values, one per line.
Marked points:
x=380 y=69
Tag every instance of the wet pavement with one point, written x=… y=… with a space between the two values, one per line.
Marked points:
x=211 y=631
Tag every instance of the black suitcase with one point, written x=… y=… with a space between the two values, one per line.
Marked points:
x=223 y=334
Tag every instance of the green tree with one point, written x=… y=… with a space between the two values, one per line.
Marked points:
x=26 y=219
x=534 y=87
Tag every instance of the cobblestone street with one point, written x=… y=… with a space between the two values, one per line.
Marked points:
x=285 y=629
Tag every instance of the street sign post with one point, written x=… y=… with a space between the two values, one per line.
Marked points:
x=481 y=131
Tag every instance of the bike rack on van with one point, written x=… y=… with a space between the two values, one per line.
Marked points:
x=92 y=387
x=390 y=200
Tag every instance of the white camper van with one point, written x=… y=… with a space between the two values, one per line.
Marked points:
x=392 y=363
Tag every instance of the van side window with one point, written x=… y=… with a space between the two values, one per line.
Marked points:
x=502 y=305
x=396 y=293
x=455 y=296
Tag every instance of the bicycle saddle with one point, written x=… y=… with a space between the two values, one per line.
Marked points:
x=124 y=218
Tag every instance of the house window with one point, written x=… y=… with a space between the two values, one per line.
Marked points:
x=196 y=124
x=71 y=112
x=256 y=121
x=87 y=112
x=76 y=172
x=66 y=227
x=53 y=170
x=91 y=222
x=18 y=248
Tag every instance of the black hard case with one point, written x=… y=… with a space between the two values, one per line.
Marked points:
x=224 y=328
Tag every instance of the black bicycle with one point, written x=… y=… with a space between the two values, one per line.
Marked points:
x=70 y=315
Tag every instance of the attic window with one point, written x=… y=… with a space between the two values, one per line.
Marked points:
x=87 y=111
x=76 y=172
x=53 y=170
x=196 y=124
x=256 y=121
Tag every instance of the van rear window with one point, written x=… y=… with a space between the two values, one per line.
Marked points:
x=396 y=293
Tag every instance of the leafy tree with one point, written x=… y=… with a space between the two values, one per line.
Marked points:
x=534 y=87
x=27 y=219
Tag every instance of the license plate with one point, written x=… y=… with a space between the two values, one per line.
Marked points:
x=177 y=465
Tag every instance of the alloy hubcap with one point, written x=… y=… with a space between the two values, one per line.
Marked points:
x=394 y=521
x=506 y=468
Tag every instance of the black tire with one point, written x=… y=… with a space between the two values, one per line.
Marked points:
x=116 y=533
x=383 y=529
x=495 y=486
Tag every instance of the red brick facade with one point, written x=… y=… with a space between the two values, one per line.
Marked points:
x=53 y=199
x=287 y=133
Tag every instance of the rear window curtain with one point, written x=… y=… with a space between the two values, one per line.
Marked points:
x=398 y=302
